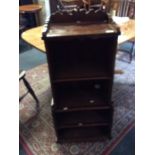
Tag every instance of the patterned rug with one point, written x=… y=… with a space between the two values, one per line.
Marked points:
x=37 y=134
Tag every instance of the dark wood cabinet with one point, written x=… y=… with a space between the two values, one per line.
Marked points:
x=81 y=58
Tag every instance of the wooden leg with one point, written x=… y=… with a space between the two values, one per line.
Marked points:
x=118 y=71
x=37 y=16
x=130 y=57
x=132 y=51
x=32 y=93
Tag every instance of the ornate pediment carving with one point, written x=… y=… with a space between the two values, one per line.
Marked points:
x=79 y=16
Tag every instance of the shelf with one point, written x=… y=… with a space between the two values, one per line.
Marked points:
x=86 y=133
x=83 y=118
x=78 y=59
x=82 y=79
x=81 y=72
x=66 y=109
x=73 y=96
x=80 y=125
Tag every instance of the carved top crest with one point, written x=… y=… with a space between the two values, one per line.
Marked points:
x=79 y=16
x=79 y=22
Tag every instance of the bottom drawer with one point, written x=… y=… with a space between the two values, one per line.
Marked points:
x=83 y=134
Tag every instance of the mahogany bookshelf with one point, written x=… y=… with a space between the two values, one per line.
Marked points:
x=81 y=62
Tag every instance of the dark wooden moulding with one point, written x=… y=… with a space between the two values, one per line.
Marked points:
x=81 y=47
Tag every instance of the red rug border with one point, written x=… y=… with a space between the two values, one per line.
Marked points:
x=118 y=139
x=25 y=146
x=107 y=151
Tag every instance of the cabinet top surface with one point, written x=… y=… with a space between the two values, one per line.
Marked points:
x=71 y=30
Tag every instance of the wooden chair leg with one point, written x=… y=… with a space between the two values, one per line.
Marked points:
x=32 y=93
x=132 y=51
x=130 y=57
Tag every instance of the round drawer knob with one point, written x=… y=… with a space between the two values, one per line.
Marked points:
x=65 y=108
x=97 y=86
x=91 y=101
x=80 y=124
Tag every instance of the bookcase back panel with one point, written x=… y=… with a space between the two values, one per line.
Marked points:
x=82 y=58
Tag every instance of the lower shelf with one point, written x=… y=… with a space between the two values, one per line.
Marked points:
x=84 y=134
x=83 y=118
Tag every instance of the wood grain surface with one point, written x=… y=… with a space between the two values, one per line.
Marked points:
x=33 y=36
x=30 y=8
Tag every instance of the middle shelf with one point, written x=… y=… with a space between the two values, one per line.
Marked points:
x=87 y=95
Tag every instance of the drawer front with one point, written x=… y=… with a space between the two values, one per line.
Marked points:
x=83 y=118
